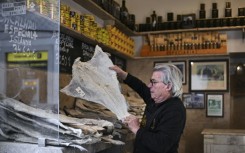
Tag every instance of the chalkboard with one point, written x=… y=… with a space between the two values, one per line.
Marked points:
x=87 y=51
x=72 y=48
x=119 y=61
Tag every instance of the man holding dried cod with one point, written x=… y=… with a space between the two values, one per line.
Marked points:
x=164 y=116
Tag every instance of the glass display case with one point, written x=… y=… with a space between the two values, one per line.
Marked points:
x=36 y=58
x=29 y=71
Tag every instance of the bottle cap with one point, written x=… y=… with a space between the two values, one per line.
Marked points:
x=228 y=4
x=202 y=6
x=170 y=16
x=214 y=6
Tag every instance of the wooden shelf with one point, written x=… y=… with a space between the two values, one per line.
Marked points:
x=95 y=9
x=145 y=52
x=182 y=56
x=92 y=41
x=102 y=14
x=194 y=30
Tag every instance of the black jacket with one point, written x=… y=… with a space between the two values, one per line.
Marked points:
x=162 y=124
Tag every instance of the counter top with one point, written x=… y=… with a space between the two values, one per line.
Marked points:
x=18 y=147
x=240 y=132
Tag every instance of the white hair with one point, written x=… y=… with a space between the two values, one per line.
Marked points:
x=172 y=75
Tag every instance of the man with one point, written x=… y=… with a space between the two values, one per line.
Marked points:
x=164 y=117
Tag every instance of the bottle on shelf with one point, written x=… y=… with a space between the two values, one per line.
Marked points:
x=159 y=19
x=124 y=15
x=241 y=11
x=170 y=16
x=228 y=10
x=131 y=22
x=116 y=10
x=154 y=20
x=215 y=11
x=202 y=12
x=147 y=20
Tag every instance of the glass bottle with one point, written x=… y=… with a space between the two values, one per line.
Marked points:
x=215 y=11
x=154 y=20
x=124 y=15
x=228 y=10
x=202 y=12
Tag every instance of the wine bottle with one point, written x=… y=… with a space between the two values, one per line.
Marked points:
x=228 y=10
x=241 y=11
x=170 y=16
x=202 y=12
x=215 y=11
x=154 y=20
x=124 y=15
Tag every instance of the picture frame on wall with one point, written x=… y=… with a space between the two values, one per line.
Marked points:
x=208 y=75
x=194 y=100
x=215 y=105
x=188 y=20
x=180 y=64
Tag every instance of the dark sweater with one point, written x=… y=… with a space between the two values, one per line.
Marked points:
x=162 y=124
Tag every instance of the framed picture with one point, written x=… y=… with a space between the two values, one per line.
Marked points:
x=208 y=75
x=180 y=64
x=193 y=100
x=215 y=105
x=188 y=20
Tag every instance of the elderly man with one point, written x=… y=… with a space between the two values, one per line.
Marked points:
x=164 y=116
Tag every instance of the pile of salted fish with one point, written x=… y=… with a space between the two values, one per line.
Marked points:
x=95 y=82
x=20 y=122
x=86 y=109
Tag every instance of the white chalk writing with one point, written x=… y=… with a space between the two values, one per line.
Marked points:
x=15 y=8
x=65 y=60
x=22 y=32
x=66 y=42
x=87 y=51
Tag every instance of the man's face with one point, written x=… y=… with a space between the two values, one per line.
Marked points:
x=159 y=90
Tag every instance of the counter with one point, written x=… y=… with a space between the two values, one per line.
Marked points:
x=224 y=140
x=100 y=147
x=18 y=147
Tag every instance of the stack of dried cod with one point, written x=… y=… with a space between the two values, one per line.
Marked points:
x=86 y=109
x=20 y=122
x=136 y=103
x=93 y=81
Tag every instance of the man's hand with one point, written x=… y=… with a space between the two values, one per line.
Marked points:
x=133 y=123
x=120 y=73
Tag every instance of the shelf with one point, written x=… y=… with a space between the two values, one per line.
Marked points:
x=102 y=14
x=98 y=11
x=193 y=30
x=91 y=41
x=182 y=56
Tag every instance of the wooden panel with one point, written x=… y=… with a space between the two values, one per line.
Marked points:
x=147 y=52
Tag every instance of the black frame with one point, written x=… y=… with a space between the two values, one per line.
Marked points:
x=214 y=102
x=194 y=100
x=214 y=79
x=188 y=20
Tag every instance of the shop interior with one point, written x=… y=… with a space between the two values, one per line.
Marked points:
x=41 y=40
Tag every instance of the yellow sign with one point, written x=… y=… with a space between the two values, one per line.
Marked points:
x=24 y=57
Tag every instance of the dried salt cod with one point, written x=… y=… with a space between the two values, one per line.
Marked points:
x=94 y=81
x=20 y=122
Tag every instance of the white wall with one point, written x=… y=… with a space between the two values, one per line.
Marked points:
x=235 y=41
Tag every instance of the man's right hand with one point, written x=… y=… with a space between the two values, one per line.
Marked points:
x=120 y=73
